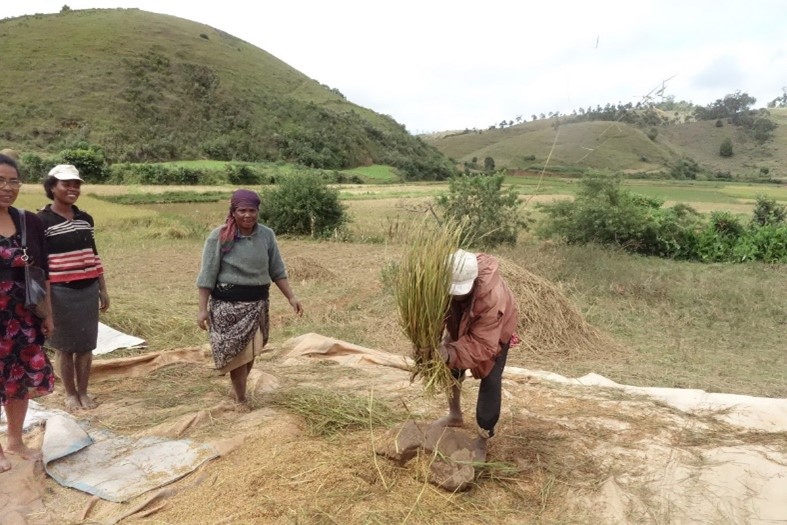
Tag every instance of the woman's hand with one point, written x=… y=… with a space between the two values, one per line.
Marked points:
x=296 y=305
x=103 y=300
x=202 y=319
x=47 y=326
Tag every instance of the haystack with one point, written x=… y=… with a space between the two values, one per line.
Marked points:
x=549 y=324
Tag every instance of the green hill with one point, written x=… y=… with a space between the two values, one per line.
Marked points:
x=150 y=87
x=619 y=146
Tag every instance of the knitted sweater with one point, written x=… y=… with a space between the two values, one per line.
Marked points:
x=254 y=260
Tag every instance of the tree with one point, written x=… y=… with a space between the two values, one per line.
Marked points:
x=303 y=205
x=725 y=150
x=490 y=213
x=779 y=102
x=489 y=164
x=734 y=106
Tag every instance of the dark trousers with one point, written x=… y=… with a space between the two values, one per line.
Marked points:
x=487 y=411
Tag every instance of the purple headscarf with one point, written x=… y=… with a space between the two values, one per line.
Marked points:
x=239 y=199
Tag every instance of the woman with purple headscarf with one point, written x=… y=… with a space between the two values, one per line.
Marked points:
x=239 y=261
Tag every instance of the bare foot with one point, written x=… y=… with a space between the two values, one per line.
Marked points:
x=450 y=421
x=5 y=465
x=87 y=401
x=23 y=452
x=73 y=403
x=241 y=406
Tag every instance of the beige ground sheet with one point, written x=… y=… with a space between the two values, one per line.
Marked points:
x=660 y=455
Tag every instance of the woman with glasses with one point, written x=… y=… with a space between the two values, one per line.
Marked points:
x=78 y=287
x=25 y=370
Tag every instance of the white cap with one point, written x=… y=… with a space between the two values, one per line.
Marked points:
x=465 y=270
x=65 y=172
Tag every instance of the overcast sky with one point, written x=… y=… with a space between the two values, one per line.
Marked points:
x=437 y=65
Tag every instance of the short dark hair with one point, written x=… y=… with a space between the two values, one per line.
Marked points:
x=9 y=161
x=49 y=184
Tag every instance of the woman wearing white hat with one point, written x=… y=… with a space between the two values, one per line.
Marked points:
x=77 y=281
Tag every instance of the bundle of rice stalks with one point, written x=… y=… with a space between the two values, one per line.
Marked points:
x=421 y=289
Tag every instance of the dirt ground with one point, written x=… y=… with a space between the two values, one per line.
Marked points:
x=563 y=454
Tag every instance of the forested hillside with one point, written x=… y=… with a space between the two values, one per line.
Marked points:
x=150 y=87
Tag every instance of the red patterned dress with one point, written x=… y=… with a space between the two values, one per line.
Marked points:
x=25 y=370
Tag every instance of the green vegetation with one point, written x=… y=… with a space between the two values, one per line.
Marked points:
x=143 y=87
x=675 y=145
x=376 y=173
x=604 y=213
x=490 y=213
x=303 y=205
x=725 y=150
x=712 y=326
x=166 y=197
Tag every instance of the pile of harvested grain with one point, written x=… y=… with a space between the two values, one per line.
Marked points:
x=549 y=324
x=307 y=269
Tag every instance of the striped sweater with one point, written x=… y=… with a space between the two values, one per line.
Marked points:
x=71 y=245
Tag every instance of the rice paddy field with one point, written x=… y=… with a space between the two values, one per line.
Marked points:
x=635 y=320
x=698 y=325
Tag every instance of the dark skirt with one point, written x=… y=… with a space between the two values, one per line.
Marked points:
x=75 y=312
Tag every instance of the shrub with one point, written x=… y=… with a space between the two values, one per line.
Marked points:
x=725 y=149
x=604 y=213
x=653 y=133
x=719 y=123
x=158 y=174
x=303 y=205
x=243 y=175
x=768 y=212
x=34 y=168
x=90 y=162
x=492 y=215
x=685 y=168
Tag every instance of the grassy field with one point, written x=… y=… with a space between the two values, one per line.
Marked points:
x=714 y=327
x=660 y=323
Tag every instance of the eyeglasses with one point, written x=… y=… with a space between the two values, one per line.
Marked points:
x=14 y=184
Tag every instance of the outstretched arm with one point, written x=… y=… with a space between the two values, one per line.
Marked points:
x=284 y=286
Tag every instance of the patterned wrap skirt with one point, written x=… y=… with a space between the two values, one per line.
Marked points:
x=233 y=325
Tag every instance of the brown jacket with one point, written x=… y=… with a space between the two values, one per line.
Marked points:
x=474 y=332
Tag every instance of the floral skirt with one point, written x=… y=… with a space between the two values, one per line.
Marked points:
x=233 y=324
x=25 y=370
